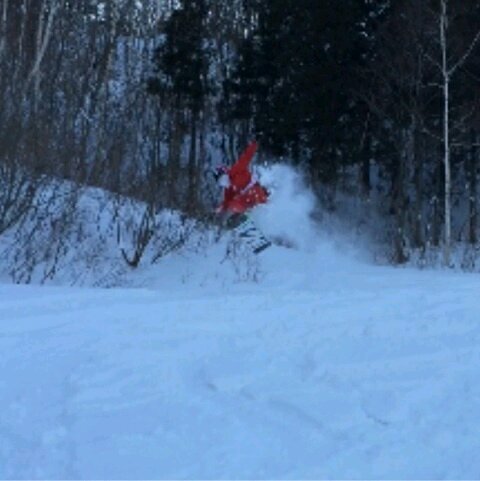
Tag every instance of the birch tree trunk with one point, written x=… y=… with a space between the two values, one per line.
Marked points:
x=43 y=36
x=446 y=131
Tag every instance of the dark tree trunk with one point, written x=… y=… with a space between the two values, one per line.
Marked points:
x=192 y=166
x=437 y=200
x=365 y=171
x=418 y=161
x=472 y=184
x=174 y=151
x=399 y=209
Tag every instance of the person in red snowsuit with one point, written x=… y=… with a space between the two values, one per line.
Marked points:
x=241 y=192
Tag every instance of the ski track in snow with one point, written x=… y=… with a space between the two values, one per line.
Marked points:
x=359 y=372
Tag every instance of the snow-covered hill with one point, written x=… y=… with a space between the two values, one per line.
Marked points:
x=76 y=236
x=304 y=362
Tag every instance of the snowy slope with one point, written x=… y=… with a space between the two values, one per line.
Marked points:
x=300 y=363
x=358 y=372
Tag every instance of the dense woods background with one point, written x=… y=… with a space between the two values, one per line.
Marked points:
x=375 y=99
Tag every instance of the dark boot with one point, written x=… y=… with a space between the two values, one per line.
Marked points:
x=235 y=220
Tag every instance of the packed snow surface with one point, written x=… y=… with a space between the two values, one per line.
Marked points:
x=304 y=362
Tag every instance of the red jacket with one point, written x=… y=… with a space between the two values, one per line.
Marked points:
x=242 y=193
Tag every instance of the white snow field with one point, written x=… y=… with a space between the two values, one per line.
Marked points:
x=327 y=368
x=300 y=363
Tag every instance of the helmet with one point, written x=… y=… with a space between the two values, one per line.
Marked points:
x=218 y=172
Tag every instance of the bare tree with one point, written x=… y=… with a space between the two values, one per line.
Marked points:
x=397 y=93
x=448 y=69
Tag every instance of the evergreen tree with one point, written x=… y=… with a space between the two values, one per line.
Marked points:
x=295 y=77
x=181 y=62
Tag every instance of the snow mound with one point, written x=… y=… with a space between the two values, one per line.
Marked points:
x=92 y=238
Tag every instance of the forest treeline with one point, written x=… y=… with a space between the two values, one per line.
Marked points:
x=376 y=98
